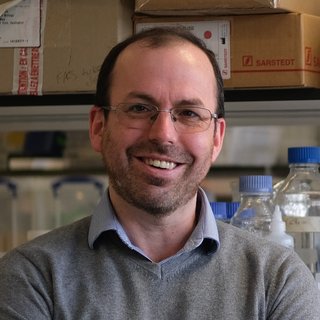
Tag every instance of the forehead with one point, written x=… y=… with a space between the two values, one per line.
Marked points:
x=143 y=54
x=149 y=46
x=176 y=69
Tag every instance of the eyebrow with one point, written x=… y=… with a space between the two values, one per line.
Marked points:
x=151 y=100
x=142 y=96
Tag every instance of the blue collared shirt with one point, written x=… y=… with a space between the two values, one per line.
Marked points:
x=104 y=219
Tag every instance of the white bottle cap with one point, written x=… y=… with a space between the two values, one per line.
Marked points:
x=277 y=224
x=278 y=230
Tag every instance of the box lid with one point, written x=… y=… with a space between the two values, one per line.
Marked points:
x=225 y=7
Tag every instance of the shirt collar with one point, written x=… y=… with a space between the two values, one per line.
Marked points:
x=206 y=229
x=104 y=219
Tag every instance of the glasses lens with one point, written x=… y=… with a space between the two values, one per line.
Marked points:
x=191 y=119
x=136 y=115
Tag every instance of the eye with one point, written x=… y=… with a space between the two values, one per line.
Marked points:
x=136 y=108
x=188 y=113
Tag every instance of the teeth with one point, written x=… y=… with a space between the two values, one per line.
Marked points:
x=160 y=164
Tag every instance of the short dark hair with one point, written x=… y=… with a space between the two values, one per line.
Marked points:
x=154 y=37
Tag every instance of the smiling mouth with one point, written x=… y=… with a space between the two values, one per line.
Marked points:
x=168 y=165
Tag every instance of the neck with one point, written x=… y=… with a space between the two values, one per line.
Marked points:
x=159 y=237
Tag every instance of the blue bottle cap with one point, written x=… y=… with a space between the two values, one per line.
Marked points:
x=232 y=207
x=304 y=155
x=219 y=210
x=255 y=184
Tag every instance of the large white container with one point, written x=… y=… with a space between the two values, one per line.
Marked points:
x=8 y=215
x=75 y=197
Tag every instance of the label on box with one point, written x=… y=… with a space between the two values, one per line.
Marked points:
x=28 y=65
x=20 y=24
x=215 y=34
x=302 y=224
x=27 y=73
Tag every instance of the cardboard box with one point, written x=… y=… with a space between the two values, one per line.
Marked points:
x=77 y=35
x=225 y=7
x=284 y=55
x=273 y=50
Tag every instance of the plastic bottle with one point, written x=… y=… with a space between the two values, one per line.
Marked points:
x=278 y=230
x=255 y=210
x=298 y=197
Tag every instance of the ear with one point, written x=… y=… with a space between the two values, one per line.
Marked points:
x=96 y=127
x=218 y=138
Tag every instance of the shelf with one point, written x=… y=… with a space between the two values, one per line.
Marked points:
x=243 y=108
x=44 y=118
x=217 y=171
x=273 y=107
x=256 y=113
x=45 y=113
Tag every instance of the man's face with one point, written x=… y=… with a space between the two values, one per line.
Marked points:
x=158 y=169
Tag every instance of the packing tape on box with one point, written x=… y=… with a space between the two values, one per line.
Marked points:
x=28 y=64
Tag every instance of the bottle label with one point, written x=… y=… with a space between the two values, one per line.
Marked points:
x=302 y=224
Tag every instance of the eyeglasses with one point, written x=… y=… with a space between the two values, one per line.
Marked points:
x=186 y=119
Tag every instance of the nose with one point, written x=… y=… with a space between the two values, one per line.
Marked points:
x=162 y=128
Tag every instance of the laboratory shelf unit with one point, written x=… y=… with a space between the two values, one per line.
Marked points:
x=243 y=108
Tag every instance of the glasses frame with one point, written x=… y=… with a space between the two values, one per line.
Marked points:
x=213 y=116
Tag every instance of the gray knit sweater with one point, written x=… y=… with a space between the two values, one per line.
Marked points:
x=57 y=276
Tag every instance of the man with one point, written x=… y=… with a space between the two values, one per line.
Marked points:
x=152 y=249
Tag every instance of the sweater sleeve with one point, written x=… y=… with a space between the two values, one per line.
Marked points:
x=293 y=293
x=24 y=289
